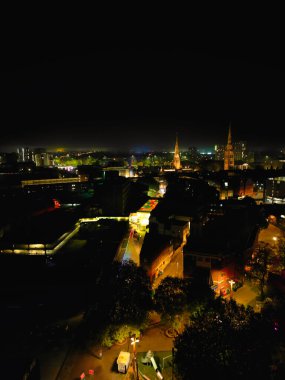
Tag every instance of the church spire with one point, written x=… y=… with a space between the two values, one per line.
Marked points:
x=229 y=152
x=176 y=161
x=230 y=135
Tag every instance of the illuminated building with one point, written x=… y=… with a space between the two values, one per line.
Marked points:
x=156 y=254
x=219 y=152
x=275 y=190
x=141 y=217
x=239 y=150
x=229 y=153
x=24 y=154
x=42 y=158
x=176 y=161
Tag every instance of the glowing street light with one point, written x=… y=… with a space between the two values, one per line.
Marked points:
x=133 y=343
x=231 y=282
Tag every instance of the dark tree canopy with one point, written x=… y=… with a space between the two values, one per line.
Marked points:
x=227 y=341
x=127 y=293
x=170 y=297
x=176 y=295
x=259 y=265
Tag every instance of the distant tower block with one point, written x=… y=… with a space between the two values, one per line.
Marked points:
x=229 y=153
x=176 y=161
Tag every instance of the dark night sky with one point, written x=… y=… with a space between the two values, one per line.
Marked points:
x=139 y=98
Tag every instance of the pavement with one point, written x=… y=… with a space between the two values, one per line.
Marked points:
x=105 y=368
x=246 y=295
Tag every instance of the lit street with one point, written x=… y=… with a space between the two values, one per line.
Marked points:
x=134 y=245
x=173 y=269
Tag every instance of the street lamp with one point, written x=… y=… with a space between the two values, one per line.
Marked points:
x=275 y=239
x=231 y=282
x=133 y=343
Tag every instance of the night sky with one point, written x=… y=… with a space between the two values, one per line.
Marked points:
x=137 y=99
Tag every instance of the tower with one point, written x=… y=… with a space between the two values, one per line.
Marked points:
x=176 y=161
x=229 y=153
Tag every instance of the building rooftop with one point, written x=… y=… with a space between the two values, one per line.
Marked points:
x=149 y=205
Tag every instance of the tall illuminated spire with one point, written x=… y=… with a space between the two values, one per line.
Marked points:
x=230 y=135
x=229 y=152
x=176 y=161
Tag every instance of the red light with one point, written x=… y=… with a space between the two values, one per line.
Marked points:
x=56 y=203
x=91 y=372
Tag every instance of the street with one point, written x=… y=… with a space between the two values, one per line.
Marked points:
x=173 y=269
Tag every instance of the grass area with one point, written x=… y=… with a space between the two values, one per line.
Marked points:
x=163 y=360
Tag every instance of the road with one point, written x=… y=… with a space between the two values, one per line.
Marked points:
x=173 y=269
x=134 y=245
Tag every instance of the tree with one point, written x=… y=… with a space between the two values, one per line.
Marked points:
x=170 y=300
x=199 y=293
x=127 y=294
x=227 y=341
x=280 y=253
x=259 y=265
x=175 y=296
x=170 y=297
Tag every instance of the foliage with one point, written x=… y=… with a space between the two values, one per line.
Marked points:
x=125 y=331
x=198 y=293
x=107 y=338
x=175 y=297
x=274 y=308
x=117 y=334
x=74 y=161
x=234 y=341
x=259 y=265
x=281 y=253
x=127 y=294
x=170 y=297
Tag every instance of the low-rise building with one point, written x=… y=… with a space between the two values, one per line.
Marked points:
x=156 y=253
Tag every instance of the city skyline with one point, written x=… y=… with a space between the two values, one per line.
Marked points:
x=137 y=100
